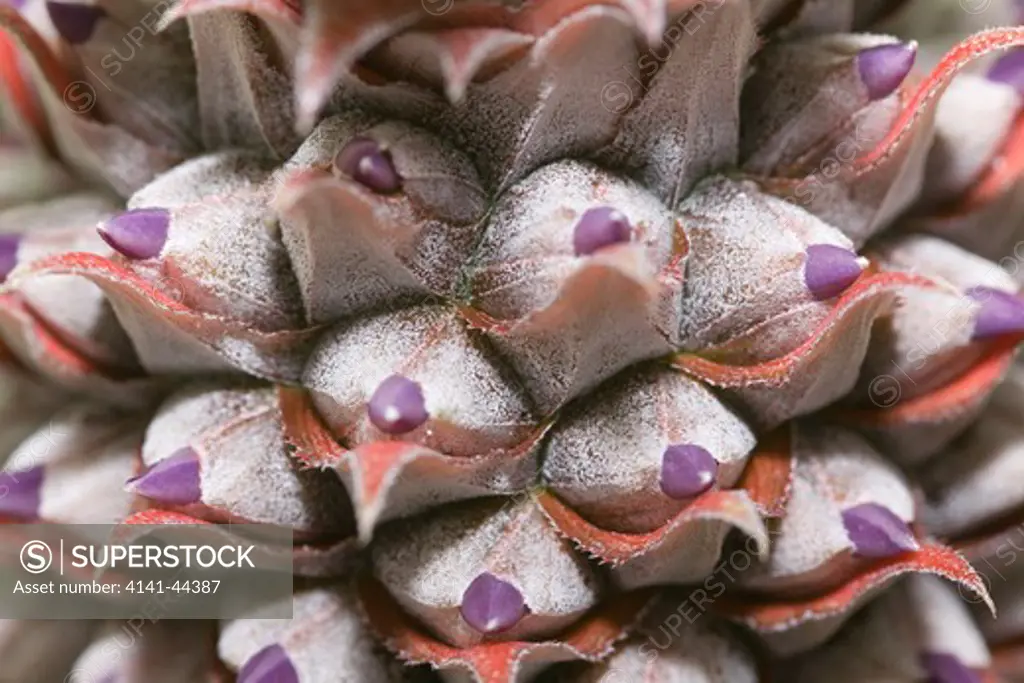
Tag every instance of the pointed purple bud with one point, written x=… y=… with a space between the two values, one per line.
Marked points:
x=998 y=312
x=491 y=605
x=397 y=406
x=366 y=162
x=599 y=228
x=829 y=270
x=16 y=4
x=687 y=471
x=75 y=22
x=269 y=665
x=884 y=67
x=137 y=234
x=1009 y=69
x=172 y=481
x=945 y=668
x=8 y=254
x=876 y=531
x=20 y=493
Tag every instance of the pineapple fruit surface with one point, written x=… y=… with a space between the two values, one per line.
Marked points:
x=587 y=341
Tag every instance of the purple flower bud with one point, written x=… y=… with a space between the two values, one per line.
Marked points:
x=16 y=4
x=687 y=471
x=491 y=605
x=397 y=406
x=998 y=312
x=599 y=228
x=137 y=234
x=829 y=270
x=1009 y=69
x=876 y=532
x=8 y=254
x=75 y=22
x=269 y=665
x=884 y=67
x=172 y=481
x=363 y=160
x=20 y=493
x=945 y=668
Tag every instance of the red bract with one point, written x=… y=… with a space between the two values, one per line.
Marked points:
x=571 y=340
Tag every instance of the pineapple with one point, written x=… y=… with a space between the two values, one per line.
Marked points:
x=573 y=341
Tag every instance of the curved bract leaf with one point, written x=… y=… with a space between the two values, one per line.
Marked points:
x=450 y=59
x=38 y=348
x=574 y=286
x=516 y=121
x=590 y=639
x=488 y=570
x=820 y=97
x=328 y=560
x=25 y=402
x=669 y=646
x=21 y=117
x=244 y=100
x=172 y=337
x=760 y=273
x=962 y=154
x=686 y=121
x=768 y=476
x=131 y=650
x=97 y=150
x=865 y=194
x=968 y=485
x=131 y=75
x=979 y=218
x=389 y=376
x=72 y=469
x=74 y=311
x=281 y=17
x=919 y=629
x=218 y=451
x=208 y=229
x=324 y=641
x=410 y=223
x=546 y=85
x=1004 y=630
x=818 y=371
x=845 y=505
x=333 y=39
x=390 y=479
x=800 y=624
x=305 y=434
x=935 y=335
x=684 y=550
x=636 y=452
x=44 y=649
x=913 y=430
x=28 y=174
